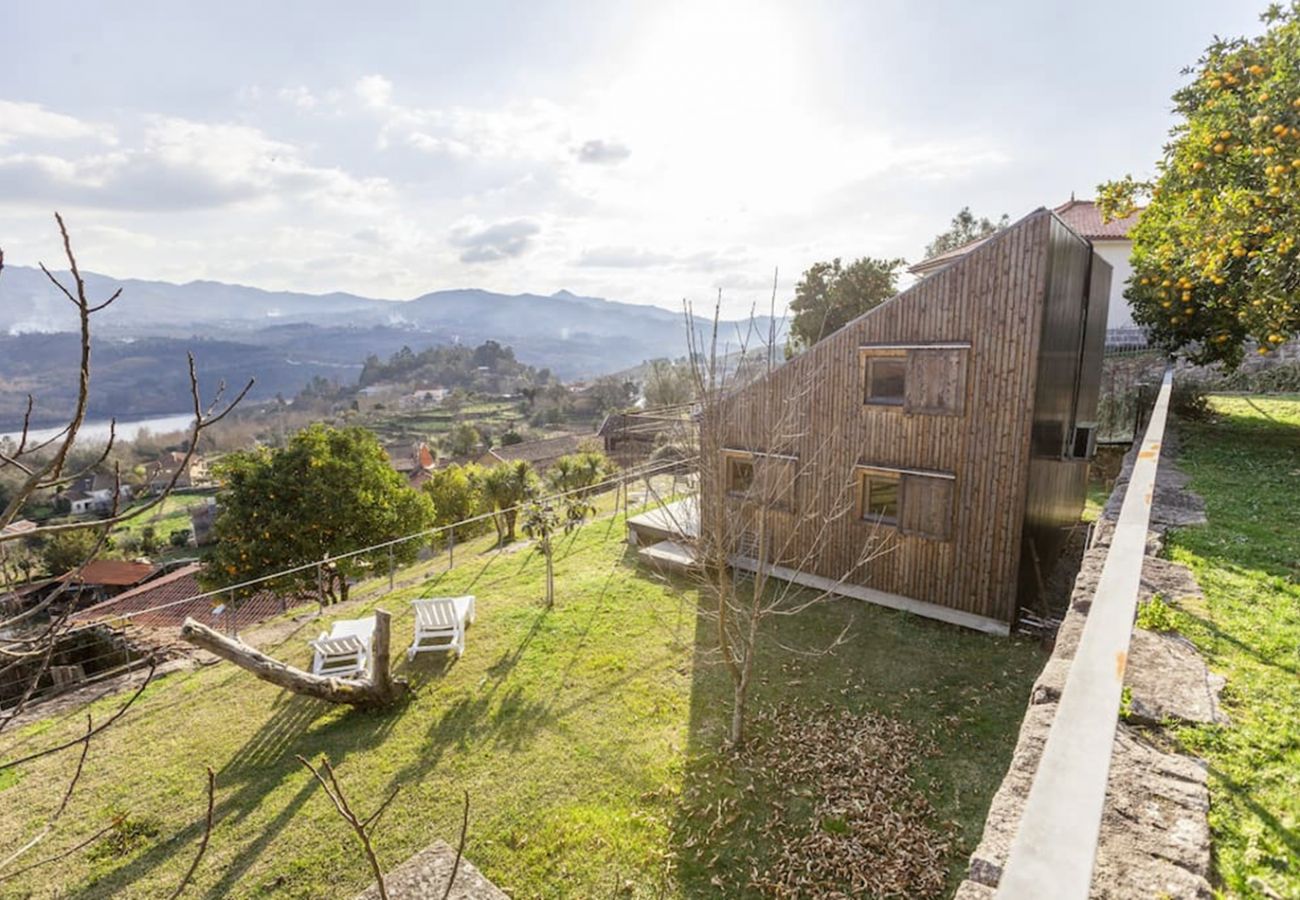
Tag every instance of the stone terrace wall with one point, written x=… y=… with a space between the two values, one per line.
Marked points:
x=1154 y=839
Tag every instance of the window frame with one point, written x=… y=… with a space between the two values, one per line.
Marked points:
x=863 y=473
x=732 y=458
x=909 y=354
x=865 y=476
x=761 y=468
x=869 y=358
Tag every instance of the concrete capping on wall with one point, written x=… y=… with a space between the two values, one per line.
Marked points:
x=1150 y=836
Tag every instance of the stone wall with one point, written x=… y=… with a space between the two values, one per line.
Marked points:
x=1154 y=838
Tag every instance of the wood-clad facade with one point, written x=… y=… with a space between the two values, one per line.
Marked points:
x=948 y=425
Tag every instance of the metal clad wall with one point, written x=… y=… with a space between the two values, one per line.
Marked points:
x=1068 y=380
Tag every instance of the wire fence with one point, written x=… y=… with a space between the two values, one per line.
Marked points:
x=122 y=659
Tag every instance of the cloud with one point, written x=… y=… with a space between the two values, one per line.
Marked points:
x=31 y=120
x=603 y=152
x=299 y=96
x=622 y=258
x=503 y=240
x=375 y=91
x=180 y=164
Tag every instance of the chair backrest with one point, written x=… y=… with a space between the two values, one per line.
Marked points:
x=437 y=612
x=359 y=628
x=339 y=646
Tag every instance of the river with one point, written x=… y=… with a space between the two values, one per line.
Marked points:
x=97 y=432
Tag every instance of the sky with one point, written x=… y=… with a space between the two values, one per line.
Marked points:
x=643 y=152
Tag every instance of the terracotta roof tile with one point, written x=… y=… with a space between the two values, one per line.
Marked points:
x=115 y=572
x=1085 y=218
x=140 y=605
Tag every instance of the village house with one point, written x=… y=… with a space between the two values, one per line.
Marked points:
x=414 y=461
x=101 y=579
x=951 y=425
x=195 y=474
x=538 y=454
x=1109 y=240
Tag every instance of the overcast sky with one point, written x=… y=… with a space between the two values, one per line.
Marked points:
x=642 y=152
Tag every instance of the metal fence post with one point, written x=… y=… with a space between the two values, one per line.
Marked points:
x=392 y=567
x=451 y=547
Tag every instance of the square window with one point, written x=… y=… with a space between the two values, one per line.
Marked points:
x=879 y=498
x=740 y=475
x=886 y=380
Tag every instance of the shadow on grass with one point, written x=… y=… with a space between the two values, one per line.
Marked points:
x=264 y=763
x=1288 y=836
x=1217 y=633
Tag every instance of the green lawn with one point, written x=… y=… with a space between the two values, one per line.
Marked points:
x=588 y=738
x=1246 y=464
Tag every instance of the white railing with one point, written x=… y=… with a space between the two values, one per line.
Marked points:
x=1056 y=844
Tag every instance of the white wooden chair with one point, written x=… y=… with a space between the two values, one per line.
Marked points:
x=345 y=650
x=440 y=624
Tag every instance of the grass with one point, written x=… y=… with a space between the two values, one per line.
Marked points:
x=1245 y=462
x=588 y=738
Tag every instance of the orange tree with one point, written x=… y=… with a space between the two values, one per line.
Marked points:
x=1215 y=265
x=331 y=491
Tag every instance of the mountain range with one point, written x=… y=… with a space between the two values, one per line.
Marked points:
x=285 y=338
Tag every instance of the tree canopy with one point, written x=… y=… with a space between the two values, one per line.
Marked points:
x=330 y=491
x=1215 y=264
x=830 y=295
x=963 y=229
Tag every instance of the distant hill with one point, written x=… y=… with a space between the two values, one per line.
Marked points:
x=285 y=338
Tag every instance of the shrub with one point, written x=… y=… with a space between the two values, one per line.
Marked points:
x=179 y=537
x=1157 y=615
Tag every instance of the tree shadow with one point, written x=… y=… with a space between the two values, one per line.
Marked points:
x=257 y=769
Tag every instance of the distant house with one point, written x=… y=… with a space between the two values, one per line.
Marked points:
x=165 y=602
x=91 y=494
x=421 y=398
x=1109 y=240
x=100 y=579
x=950 y=427
x=629 y=438
x=539 y=454
x=414 y=461
x=192 y=475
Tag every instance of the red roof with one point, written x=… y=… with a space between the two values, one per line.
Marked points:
x=113 y=572
x=174 y=592
x=1084 y=217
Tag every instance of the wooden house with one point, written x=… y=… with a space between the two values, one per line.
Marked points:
x=951 y=427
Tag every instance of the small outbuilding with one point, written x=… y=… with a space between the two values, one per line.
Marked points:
x=948 y=430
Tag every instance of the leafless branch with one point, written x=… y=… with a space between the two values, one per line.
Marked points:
x=460 y=849
x=207 y=833
x=153 y=667
x=67 y=795
x=340 y=801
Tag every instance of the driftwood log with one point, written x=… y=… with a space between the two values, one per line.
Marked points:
x=380 y=689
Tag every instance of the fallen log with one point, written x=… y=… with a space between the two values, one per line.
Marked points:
x=380 y=689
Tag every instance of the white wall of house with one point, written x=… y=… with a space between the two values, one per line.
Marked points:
x=1117 y=253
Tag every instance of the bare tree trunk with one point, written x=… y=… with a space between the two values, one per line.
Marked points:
x=381 y=689
x=550 y=574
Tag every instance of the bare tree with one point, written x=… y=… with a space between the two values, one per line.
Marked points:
x=33 y=635
x=364 y=828
x=768 y=495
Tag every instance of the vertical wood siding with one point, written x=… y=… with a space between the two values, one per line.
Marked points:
x=992 y=298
